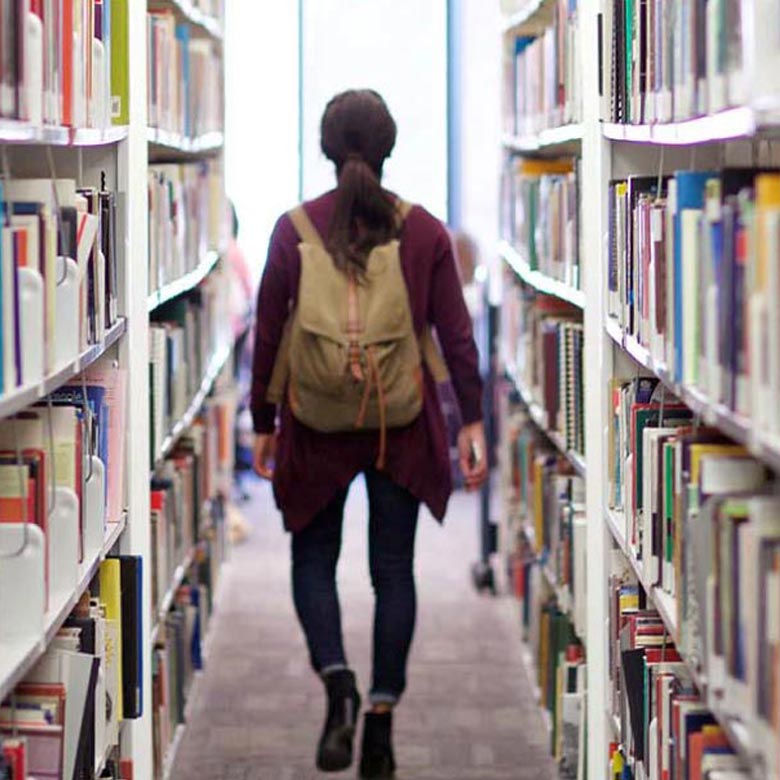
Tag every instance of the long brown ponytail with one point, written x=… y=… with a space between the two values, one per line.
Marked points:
x=358 y=134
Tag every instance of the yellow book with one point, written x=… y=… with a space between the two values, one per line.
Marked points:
x=110 y=579
x=539 y=167
x=120 y=63
x=539 y=503
x=767 y=200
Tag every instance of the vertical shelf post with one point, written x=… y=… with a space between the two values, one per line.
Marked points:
x=137 y=734
x=594 y=174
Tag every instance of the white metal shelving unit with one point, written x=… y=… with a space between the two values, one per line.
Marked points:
x=124 y=151
x=608 y=150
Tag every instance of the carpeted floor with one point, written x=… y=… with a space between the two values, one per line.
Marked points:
x=468 y=713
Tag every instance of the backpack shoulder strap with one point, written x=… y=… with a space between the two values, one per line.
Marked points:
x=304 y=227
x=402 y=208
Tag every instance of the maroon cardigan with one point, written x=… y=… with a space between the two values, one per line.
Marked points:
x=310 y=466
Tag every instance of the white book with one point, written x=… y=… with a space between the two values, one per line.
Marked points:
x=9 y=318
x=671 y=209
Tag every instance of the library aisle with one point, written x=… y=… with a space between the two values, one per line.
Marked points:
x=469 y=711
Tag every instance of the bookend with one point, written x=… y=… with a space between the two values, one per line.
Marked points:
x=31 y=325
x=63 y=543
x=94 y=507
x=22 y=571
x=66 y=344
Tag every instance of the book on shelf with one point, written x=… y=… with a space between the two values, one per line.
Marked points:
x=64 y=62
x=545 y=354
x=558 y=665
x=670 y=60
x=185 y=76
x=694 y=272
x=541 y=216
x=187 y=217
x=702 y=519
x=61 y=472
x=177 y=653
x=65 y=713
x=544 y=73
x=58 y=275
x=184 y=336
x=666 y=727
x=546 y=501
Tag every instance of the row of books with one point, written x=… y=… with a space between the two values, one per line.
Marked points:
x=542 y=343
x=540 y=205
x=63 y=720
x=187 y=217
x=179 y=653
x=64 y=62
x=546 y=500
x=182 y=494
x=184 y=77
x=558 y=666
x=58 y=275
x=542 y=78
x=666 y=728
x=703 y=518
x=694 y=275
x=61 y=484
x=184 y=336
x=670 y=60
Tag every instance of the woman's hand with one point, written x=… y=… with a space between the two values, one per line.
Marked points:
x=472 y=449
x=265 y=451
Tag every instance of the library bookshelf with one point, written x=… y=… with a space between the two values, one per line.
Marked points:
x=616 y=131
x=91 y=157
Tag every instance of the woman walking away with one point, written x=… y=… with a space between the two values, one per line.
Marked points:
x=344 y=383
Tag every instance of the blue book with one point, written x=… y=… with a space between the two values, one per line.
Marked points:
x=183 y=35
x=690 y=195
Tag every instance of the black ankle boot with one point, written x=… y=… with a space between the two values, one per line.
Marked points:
x=377 y=758
x=335 y=749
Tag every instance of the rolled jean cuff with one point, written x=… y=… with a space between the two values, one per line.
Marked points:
x=331 y=668
x=380 y=697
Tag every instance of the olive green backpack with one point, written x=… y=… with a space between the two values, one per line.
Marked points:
x=349 y=358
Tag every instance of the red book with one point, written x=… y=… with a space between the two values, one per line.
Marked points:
x=698 y=742
x=13 y=751
x=66 y=65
